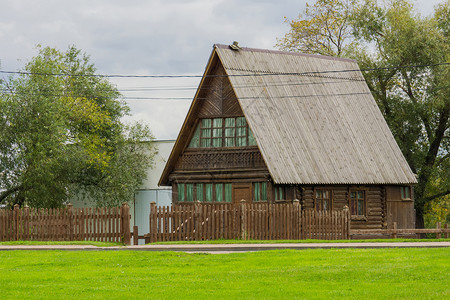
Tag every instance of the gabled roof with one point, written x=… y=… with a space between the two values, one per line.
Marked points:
x=313 y=117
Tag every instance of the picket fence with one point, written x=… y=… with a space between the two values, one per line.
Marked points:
x=66 y=224
x=262 y=221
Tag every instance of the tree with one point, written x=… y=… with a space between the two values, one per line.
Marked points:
x=414 y=100
x=324 y=29
x=61 y=135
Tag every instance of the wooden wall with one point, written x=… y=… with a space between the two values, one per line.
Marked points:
x=400 y=210
x=375 y=200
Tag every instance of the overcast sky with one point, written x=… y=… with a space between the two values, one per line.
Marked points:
x=153 y=37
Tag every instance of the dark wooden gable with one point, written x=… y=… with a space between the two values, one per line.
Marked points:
x=217 y=97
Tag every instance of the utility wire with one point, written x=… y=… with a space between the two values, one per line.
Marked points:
x=253 y=73
x=288 y=83
x=206 y=87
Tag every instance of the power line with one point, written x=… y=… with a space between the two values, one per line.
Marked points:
x=262 y=85
x=203 y=87
x=253 y=73
x=243 y=98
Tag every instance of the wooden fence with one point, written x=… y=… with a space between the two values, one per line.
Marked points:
x=263 y=221
x=440 y=231
x=66 y=224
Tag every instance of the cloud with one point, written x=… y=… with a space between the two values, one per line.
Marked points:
x=144 y=37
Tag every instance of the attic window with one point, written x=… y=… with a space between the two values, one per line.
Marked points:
x=222 y=132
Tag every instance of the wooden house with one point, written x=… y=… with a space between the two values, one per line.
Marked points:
x=277 y=126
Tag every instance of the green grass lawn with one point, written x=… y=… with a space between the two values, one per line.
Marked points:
x=336 y=273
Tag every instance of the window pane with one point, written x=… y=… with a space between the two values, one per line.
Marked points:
x=217 y=122
x=360 y=207
x=251 y=138
x=195 y=141
x=402 y=192
x=206 y=133
x=230 y=122
x=230 y=132
x=200 y=192
x=240 y=121
x=360 y=194
x=206 y=123
x=209 y=192
x=325 y=195
x=217 y=132
x=264 y=191
x=228 y=192
x=219 y=192
x=241 y=131
x=189 y=192
x=217 y=142
x=325 y=204
x=256 y=191
x=318 y=194
x=407 y=193
x=206 y=143
x=353 y=207
x=352 y=195
x=229 y=142
x=241 y=142
x=279 y=193
x=181 y=192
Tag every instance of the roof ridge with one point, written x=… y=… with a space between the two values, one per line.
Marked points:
x=222 y=46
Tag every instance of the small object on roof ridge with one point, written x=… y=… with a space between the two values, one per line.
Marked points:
x=235 y=46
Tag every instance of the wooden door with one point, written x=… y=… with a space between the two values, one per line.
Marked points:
x=242 y=191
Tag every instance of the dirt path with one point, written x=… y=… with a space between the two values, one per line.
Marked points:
x=229 y=248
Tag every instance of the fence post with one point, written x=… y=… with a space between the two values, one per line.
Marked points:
x=197 y=221
x=438 y=227
x=125 y=216
x=70 y=216
x=446 y=232
x=346 y=225
x=26 y=222
x=243 y=220
x=394 y=230
x=153 y=222
x=16 y=222
x=297 y=219
x=135 y=235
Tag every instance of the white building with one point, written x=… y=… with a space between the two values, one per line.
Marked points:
x=148 y=192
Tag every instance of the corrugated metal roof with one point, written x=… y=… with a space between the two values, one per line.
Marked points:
x=319 y=127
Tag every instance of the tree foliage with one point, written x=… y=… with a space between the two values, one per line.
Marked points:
x=322 y=29
x=415 y=100
x=61 y=135
x=389 y=38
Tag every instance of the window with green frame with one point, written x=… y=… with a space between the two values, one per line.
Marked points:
x=279 y=192
x=259 y=191
x=185 y=192
x=204 y=192
x=405 y=192
x=222 y=132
